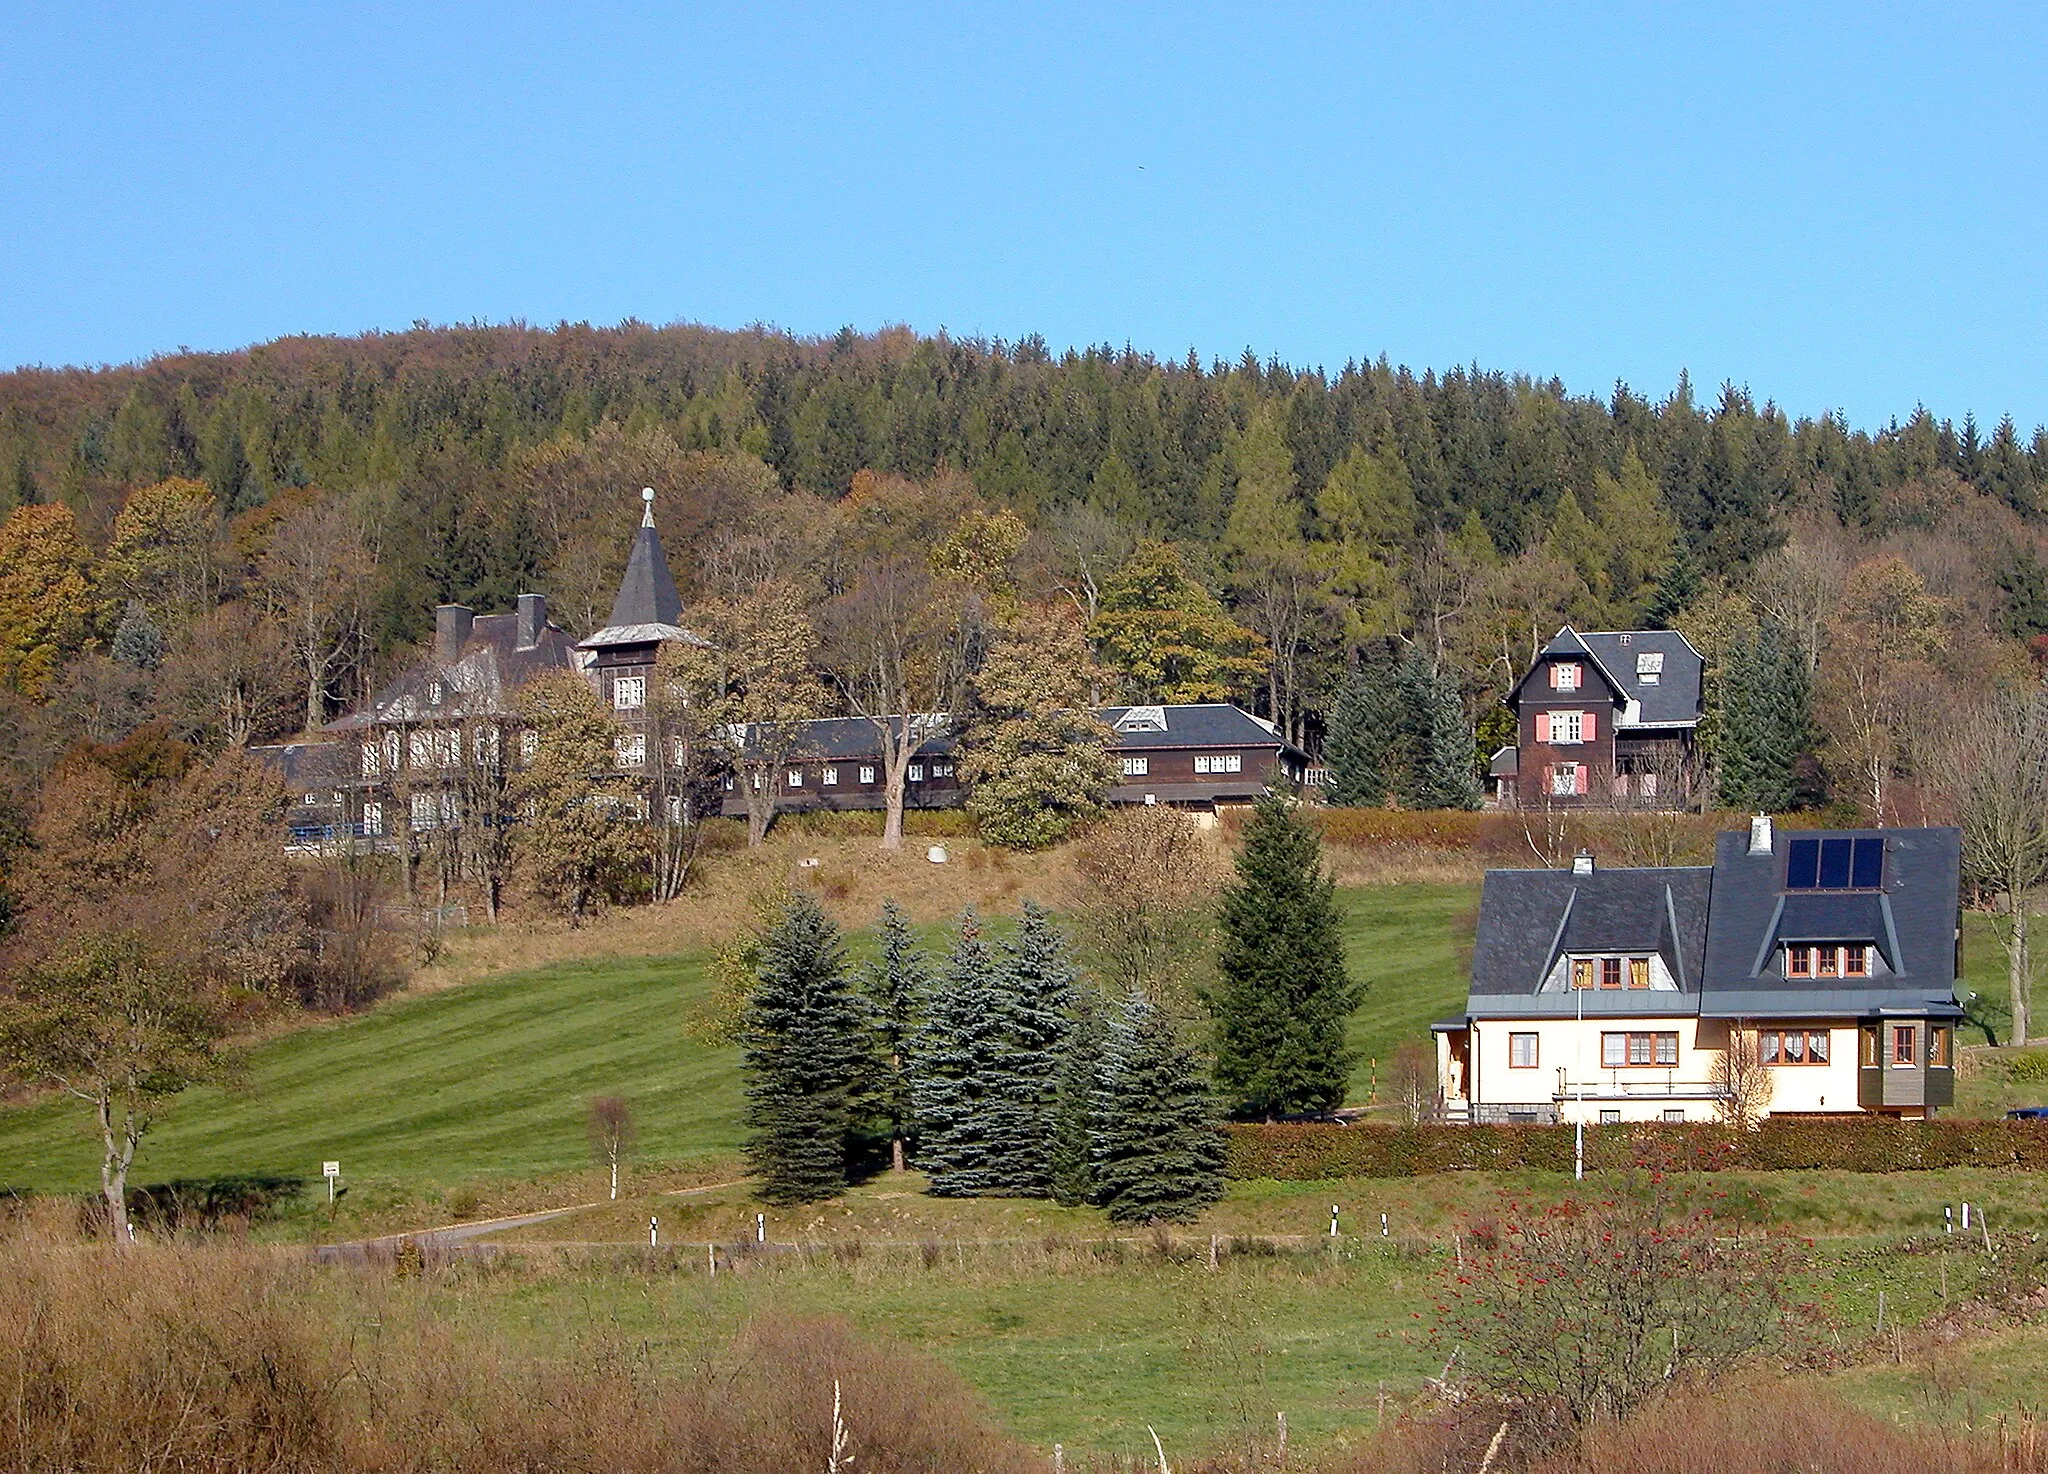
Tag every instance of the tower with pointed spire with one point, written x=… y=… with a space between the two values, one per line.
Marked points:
x=646 y=614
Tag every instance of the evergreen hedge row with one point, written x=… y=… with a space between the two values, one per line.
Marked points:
x=1301 y=1153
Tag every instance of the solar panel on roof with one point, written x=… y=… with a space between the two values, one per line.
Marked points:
x=1835 y=864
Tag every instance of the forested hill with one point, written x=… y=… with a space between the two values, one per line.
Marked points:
x=1462 y=511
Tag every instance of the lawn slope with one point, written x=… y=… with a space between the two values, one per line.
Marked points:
x=493 y=1077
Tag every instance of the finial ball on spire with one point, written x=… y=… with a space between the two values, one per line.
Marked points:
x=647 y=494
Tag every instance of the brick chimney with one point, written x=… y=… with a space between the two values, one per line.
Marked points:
x=452 y=624
x=533 y=618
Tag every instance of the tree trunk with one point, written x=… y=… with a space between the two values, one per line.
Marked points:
x=896 y=1153
x=316 y=693
x=897 y=748
x=2020 y=969
x=114 y=1172
x=615 y=1172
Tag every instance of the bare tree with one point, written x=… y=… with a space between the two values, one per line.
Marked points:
x=228 y=677
x=1744 y=1080
x=317 y=574
x=1887 y=623
x=1144 y=898
x=1082 y=547
x=611 y=1132
x=900 y=645
x=1993 y=772
x=1799 y=586
x=686 y=757
x=758 y=693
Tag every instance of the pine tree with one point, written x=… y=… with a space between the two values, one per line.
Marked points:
x=959 y=1055
x=1037 y=982
x=897 y=983
x=1443 y=776
x=1285 y=997
x=1157 y=1155
x=1070 y=1160
x=808 y=1054
x=1370 y=737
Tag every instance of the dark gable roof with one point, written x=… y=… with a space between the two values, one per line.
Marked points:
x=304 y=767
x=484 y=680
x=1676 y=696
x=1528 y=917
x=1207 y=724
x=855 y=739
x=1911 y=922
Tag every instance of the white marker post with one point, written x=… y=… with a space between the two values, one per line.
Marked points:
x=330 y=1171
x=1333 y=1220
x=1579 y=1151
x=760 y=1228
x=1383 y=1225
x=653 y=1231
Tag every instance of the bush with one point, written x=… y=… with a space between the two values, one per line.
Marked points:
x=1308 y=1152
x=216 y=1362
x=2028 y=1068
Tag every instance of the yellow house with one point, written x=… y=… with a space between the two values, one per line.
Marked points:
x=1809 y=974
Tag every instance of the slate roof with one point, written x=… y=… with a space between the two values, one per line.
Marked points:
x=648 y=609
x=1720 y=931
x=304 y=767
x=1911 y=923
x=1674 y=700
x=1527 y=918
x=854 y=739
x=1203 y=724
x=484 y=679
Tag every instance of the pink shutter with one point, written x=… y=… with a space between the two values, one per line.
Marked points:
x=1553 y=675
x=1586 y=727
x=1585 y=771
x=1543 y=723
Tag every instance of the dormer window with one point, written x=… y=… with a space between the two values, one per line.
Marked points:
x=1142 y=719
x=1827 y=960
x=434 y=693
x=1649 y=667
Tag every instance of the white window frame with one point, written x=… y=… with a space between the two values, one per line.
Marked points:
x=942 y=770
x=1573 y=723
x=529 y=745
x=1564 y=780
x=1567 y=675
x=373 y=757
x=629 y=693
x=373 y=819
x=1219 y=762
x=630 y=750
x=867 y=774
x=1520 y=1045
x=1136 y=767
x=916 y=773
x=793 y=778
x=829 y=776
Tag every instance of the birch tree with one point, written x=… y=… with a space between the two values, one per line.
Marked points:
x=317 y=572
x=111 y=1025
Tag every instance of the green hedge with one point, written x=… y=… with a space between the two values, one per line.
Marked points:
x=1306 y=1152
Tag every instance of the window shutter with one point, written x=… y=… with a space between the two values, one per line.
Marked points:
x=1553 y=675
x=1586 y=727
x=1543 y=720
x=1585 y=771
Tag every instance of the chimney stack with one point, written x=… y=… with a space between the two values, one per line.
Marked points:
x=1760 y=834
x=533 y=618
x=452 y=624
x=1582 y=863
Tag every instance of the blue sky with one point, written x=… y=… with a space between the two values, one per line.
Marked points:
x=1842 y=207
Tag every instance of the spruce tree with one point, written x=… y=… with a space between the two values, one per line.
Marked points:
x=1371 y=731
x=1443 y=776
x=1285 y=998
x=1071 y=1164
x=808 y=1055
x=1037 y=983
x=1765 y=724
x=1157 y=1153
x=896 y=983
x=960 y=1053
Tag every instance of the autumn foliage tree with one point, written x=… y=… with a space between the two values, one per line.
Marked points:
x=46 y=598
x=576 y=837
x=1038 y=759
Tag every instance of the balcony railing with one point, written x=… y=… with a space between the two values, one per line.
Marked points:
x=1639 y=1090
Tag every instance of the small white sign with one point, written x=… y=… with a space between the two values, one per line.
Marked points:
x=330 y=1169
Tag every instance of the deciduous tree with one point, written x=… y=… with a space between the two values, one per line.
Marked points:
x=318 y=576
x=610 y=1128
x=109 y=1022
x=46 y=599
x=576 y=835
x=1168 y=638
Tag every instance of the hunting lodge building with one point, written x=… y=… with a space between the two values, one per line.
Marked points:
x=402 y=760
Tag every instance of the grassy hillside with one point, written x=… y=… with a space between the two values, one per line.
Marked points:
x=492 y=1077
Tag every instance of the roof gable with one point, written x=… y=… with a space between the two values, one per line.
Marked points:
x=1568 y=644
